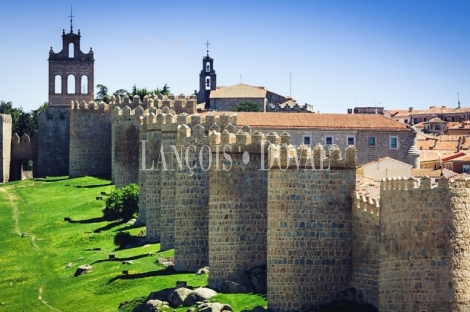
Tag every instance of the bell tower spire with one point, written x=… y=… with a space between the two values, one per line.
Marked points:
x=207 y=79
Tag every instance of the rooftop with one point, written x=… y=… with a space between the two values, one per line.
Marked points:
x=239 y=91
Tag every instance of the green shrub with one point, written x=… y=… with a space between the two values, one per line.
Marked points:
x=122 y=203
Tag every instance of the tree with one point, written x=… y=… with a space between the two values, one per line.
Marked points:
x=102 y=94
x=165 y=90
x=122 y=203
x=23 y=122
x=247 y=106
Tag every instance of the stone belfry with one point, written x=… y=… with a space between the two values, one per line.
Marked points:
x=71 y=72
x=70 y=79
x=207 y=80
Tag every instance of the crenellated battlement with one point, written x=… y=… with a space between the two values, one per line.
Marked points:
x=367 y=203
x=89 y=107
x=281 y=154
x=126 y=112
x=166 y=120
x=403 y=183
x=179 y=104
x=15 y=138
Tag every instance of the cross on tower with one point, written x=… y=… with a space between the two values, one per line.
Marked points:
x=71 y=19
x=207 y=44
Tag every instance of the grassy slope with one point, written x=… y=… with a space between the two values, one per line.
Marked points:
x=37 y=262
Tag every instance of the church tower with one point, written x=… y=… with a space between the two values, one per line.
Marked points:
x=207 y=80
x=71 y=72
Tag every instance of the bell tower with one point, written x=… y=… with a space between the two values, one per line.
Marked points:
x=207 y=79
x=71 y=72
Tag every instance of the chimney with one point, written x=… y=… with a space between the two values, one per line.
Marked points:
x=410 y=109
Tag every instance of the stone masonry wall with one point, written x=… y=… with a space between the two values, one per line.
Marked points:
x=90 y=139
x=309 y=228
x=159 y=110
x=192 y=192
x=125 y=145
x=382 y=148
x=5 y=147
x=425 y=253
x=23 y=149
x=54 y=142
x=237 y=208
x=366 y=248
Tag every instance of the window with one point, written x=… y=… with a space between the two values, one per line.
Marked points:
x=425 y=119
x=466 y=168
x=393 y=142
x=350 y=140
x=406 y=121
x=415 y=120
x=328 y=140
x=437 y=127
x=371 y=141
x=307 y=140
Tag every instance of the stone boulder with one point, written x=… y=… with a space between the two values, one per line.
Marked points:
x=151 y=306
x=204 y=270
x=199 y=294
x=86 y=268
x=161 y=295
x=213 y=307
x=178 y=296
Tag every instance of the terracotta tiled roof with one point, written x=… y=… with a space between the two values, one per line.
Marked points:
x=447 y=145
x=401 y=112
x=461 y=158
x=239 y=91
x=430 y=158
x=435 y=119
x=319 y=121
x=434 y=110
x=421 y=173
x=458 y=125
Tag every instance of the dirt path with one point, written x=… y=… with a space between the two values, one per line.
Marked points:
x=16 y=213
x=47 y=304
x=14 y=207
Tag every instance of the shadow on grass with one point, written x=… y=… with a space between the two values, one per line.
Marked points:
x=93 y=185
x=129 y=227
x=51 y=179
x=86 y=221
x=168 y=271
x=123 y=259
x=109 y=226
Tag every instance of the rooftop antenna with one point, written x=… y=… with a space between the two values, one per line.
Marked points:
x=207 y=44
x=458 y=100
x=71 y=20
x=241 y=78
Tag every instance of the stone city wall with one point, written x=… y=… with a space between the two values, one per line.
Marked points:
x=5 y=147
x=424 y=245
x=237 y=207
x=309 y=226
x=54 y=142
x=22 y=150
x=90 y=139
x=366 y=247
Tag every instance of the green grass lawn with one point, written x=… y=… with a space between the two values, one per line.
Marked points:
x=35 y=272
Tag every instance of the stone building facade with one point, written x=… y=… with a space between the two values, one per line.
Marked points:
x=22 y=150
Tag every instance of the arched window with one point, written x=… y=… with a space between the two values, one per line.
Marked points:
x=208 y=66
x=84 y=84
x=71 y=50
x=425 y=119
x=453 y=119
x=57 y=84
x=208 y=83
x=71 y=84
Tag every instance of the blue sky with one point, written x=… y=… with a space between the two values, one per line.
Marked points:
x=341 y=54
